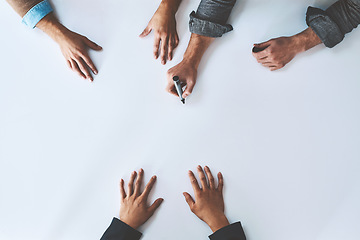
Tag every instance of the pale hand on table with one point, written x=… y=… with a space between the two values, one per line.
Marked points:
x=166 y=38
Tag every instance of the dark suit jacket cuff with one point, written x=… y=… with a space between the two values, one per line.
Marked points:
x=324 y=26
x=118 y=230
x=231 y=232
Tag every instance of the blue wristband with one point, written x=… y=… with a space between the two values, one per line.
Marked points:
x=36 y=13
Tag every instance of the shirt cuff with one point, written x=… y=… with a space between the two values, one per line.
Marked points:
x=120 y=230
x=36 y=13
x=231 y=232
x=322 y=24
x=207 y=28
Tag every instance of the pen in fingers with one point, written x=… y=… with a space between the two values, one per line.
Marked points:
x=178 y=88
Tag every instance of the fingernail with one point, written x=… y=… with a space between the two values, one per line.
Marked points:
x=95 y=72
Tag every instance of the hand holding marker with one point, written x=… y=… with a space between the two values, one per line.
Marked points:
x=178 y=88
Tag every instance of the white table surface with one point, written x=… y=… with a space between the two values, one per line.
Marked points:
x=287 y=142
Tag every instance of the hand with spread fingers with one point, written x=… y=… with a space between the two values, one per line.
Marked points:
x=163 y=24
x=134 y=209
x=209 y=202
x=276 y=53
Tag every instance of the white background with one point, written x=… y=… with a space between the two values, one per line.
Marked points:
x=287 y=142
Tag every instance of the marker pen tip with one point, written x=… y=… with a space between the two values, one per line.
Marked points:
x=183 y=101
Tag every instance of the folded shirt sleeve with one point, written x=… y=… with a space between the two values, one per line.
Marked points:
x=332 y=25
x=211 y=17
x=231 y=232
x=37 y=13
x=118 y=230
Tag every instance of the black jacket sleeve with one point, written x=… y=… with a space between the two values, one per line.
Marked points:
x=119 y=230
x=231 y=232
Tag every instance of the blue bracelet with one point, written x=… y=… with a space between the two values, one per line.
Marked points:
x=36 y=13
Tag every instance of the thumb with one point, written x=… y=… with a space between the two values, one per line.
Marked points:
x=189 y=199
x=146 y=32
x=93 y=45
x=189 y=88
x=155 y=205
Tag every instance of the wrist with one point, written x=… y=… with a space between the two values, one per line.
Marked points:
x=52 y=27
x=169 y=6
x=218 y=222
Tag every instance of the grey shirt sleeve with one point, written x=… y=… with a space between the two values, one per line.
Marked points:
x=331 y=25
x=211 y=17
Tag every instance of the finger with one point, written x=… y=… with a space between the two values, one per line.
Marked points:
x=85 y=57
x=139 y=182
x=131 y=183
x=172 y=45
x=268 y=64
x=148 y=187
x=171 y=89
x=155 y=205
x=75 y=68
x=164 y=48
x=202 y=177
x=189 y=88
x=122 y=189
x=263 y=44
x=84 y=69
x=146 y=32
x=156 y=46
x=210 y=177
x=92 y=45
x=194 y=182
x=190 y=201
x=68 y=63
x=170 y=50
x=264 y=59
x=221 y=182
x=273 y=68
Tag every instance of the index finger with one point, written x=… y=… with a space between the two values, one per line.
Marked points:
x=89 y=62
x=194 y=182
x=262 y=54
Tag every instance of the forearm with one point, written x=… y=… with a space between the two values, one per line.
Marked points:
x=52 y=27
x=23 y=6
x=305 y=40
x=197 y=47
x=171 y=5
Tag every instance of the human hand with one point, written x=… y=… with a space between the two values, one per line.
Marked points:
x=277 y=52
x=75 y=50
x=164 y=25
x=73 y=46
x=209 y=201
x=187 y=72
x=134 y=210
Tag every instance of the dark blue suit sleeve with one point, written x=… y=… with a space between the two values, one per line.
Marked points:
x=231 y=232
x=119 y=230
